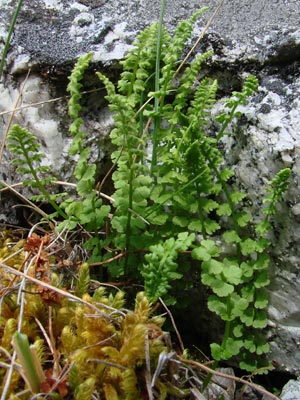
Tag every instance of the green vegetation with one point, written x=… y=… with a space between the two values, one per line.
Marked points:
x=82 y=343
x=174 y=209
x=10 y=32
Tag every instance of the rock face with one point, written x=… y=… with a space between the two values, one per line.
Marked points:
x=259 y=37
x=291 y=390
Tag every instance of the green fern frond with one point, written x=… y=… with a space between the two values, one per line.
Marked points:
x=277 y=187
x=161 y=268
x=173 y=49
x=130 y=178
x=238 y=98
x=74 y=107
x=89 y=210
x=204 y=99
x=28 y=158
x=26 y=148
x=187 y=81
x=138 y=65
x=181 y=35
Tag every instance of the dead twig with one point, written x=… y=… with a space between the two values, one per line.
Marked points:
x=174 y=325
x=121 y=255
x=12 y=116
x=57 y=290
x=234 y=378
x=41 y=103
x=209 y=22
x=24 y=199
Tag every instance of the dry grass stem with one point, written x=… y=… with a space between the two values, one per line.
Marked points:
x=57 y=290
x=41 y=103
x=223 y=375
x=24 y=199
x=208 y=24
x=12 y=116
x=174 y=325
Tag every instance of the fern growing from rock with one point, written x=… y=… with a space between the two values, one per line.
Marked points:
x=185 y=190
x=172 y=189
x=28 y=160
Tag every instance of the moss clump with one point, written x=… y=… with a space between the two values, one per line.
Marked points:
x=87 y=344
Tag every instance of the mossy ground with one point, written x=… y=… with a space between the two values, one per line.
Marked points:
x=89 y=342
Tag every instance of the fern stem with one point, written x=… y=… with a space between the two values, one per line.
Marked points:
x=201 y=214
x=181 y=189
x=228 y=198
x=40 y=185
x=226 y=123
x=128 y=223
x=227 y=327
x=157 y=99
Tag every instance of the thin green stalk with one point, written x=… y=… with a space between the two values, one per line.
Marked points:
x=200 y=209
x=227 y=122
x=157 y=75
x=41 y=186
x=227 y=326
x=215 y=365
x=181 y=189
x=128 y=224
x=10 y=32
x=228 y=198
x=97 y=236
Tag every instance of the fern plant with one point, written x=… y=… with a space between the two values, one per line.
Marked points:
x=131 y=180
x=161 y=267
x=28 y=160
x=87 y=209
x=173 y=192
x=184 y=191
x=136 y=225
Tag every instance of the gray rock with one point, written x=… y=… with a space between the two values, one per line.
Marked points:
x=291 y=391
x=221 y=387
x=260 y=37
x=54 y=32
